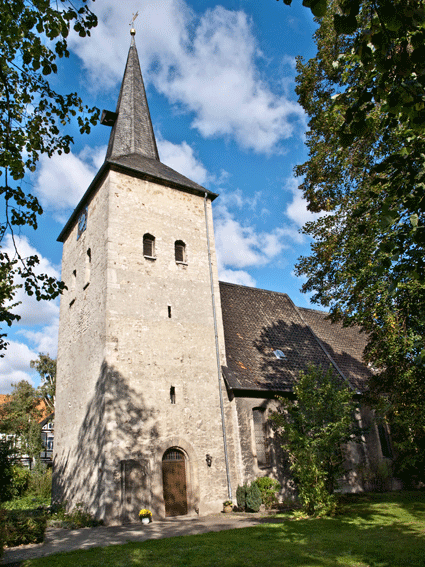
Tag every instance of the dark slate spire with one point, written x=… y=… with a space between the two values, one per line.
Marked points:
x=132 y=132
x=132 y=147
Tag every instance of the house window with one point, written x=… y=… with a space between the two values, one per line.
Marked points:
x=149 y=246
x=180 y=251
x=173 y=394
x=260 y=434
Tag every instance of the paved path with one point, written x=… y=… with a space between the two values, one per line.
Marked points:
x=58 y=540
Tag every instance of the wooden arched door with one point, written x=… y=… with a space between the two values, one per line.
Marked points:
x=174 y=482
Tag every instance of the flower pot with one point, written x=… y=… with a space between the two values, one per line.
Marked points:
x=145 y=520
x=227 y=509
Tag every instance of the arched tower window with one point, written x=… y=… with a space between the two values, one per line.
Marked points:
x=180 y=251
x=260 y=434
x=149 y=245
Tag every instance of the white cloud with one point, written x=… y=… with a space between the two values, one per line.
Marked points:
x=32 y=312
x=238 y=246
x=15 y=366
x=297 y=209
x=236 y=276
x=205 y=63
x=62 y=180
x=38 y=324
x=242 y=246
x=181 y=157
x=46 y=340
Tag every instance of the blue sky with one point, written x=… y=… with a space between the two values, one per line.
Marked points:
x=220 y=80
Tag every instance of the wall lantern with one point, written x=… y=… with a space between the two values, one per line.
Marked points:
x=208 y=458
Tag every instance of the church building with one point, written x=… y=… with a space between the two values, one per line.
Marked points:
x=166 y=376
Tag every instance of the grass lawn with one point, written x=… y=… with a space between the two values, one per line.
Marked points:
x=372 y=531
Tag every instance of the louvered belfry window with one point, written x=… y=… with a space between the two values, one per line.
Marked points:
x=260 y=437
x=180 y=251
x=149 y=245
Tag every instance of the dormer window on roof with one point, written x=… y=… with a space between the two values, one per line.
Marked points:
x=279 y=354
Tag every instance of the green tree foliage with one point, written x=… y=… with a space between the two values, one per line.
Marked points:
x=33 y=35
x=46 y=367
x=6 y=469
x=20 y=416
x=364 y=93
x=313 y=429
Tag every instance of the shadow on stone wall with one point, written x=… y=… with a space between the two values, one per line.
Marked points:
x=115 y=447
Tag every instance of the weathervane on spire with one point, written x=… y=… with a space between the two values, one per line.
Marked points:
x=133 y=31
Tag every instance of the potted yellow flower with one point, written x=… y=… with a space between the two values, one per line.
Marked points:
x=227 y=506
x=145 y=515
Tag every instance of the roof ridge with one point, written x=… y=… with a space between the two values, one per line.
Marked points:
x=315 y=310
x=267 y=291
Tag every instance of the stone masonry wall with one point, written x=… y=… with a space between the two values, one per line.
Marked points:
x=148 y=352
x=79 y=426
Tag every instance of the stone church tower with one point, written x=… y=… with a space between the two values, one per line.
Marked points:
x=139 y=412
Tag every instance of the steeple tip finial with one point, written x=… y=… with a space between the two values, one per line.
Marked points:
x=133 y=31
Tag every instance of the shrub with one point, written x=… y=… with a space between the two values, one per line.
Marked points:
x=21 y=528
x=269 y=487
x=313 y=429
x=241 y=496
x=40 y=482
x=2 y=531
x=253 y=498
x=376 y=476
x=20 y=479
x=76 y=518
x=6 y=474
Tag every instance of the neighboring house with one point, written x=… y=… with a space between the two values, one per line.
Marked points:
x=47 y=436
x=166 y=377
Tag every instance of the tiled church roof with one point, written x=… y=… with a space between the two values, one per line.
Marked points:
x=344 y=344
x=257 y=322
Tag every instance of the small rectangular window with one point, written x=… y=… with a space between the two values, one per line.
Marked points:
x=88 y=268
x=172 y=395
x=148 y=248
x=169 y=311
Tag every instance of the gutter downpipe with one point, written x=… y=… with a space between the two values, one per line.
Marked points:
x=217 y=352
